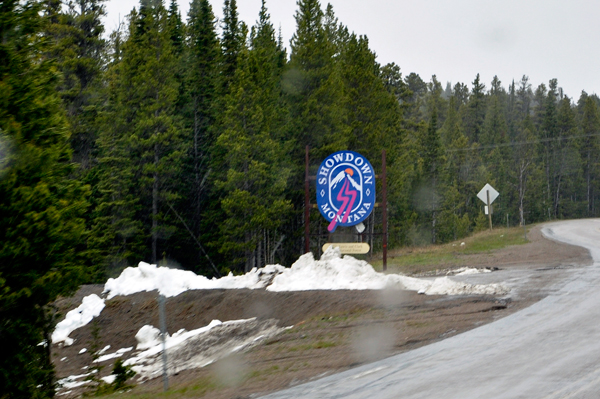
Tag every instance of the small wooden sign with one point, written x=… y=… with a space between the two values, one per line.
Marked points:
x=349 y=247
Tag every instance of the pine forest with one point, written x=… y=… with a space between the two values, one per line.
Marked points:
x=182 y=143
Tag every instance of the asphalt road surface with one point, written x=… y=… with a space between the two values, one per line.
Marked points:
x=549 y=350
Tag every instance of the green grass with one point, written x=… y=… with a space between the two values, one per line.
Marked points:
x=497 y=239
x=197 y=389
x=313 y=345
x=418 y=260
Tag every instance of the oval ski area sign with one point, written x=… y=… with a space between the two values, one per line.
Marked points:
x=345 y=189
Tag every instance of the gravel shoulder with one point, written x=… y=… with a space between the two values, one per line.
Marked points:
x=331 y=331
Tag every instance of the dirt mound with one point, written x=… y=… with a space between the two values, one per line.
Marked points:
x=332 y=330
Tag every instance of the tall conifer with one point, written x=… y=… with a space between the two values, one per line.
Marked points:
x=590 y=152
x=41 y=208
x=433 y=165
x=142 y=148
x=314 y=87
x=257 y=173
x=79 y=49
x=203 y=95
x=567 y=170
x=232 y=42
x=476 y=111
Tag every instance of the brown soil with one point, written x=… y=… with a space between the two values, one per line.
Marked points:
x=332 y=330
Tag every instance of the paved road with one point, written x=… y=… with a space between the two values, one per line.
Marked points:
x=550 y=350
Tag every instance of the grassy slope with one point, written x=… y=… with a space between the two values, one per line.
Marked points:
x=424 y=260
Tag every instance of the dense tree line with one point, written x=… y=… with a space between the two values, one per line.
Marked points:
x=182 y=143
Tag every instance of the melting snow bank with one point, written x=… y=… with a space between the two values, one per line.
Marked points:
x=197 y=348
x=463 y=271
x=446 y=286
x=71 y=382
x=331 y=272
x=185 y=349
x=90 y=307
x=172 y=282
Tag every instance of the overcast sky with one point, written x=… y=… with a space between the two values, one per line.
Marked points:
x=456 y=39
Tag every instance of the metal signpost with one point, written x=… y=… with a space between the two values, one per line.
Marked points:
x=488 y=194
x=163 y=338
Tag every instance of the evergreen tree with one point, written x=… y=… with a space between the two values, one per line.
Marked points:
x=202 y=94
x=232 y=42
x=375 y=119
x=496 y=88
x=448 y=91
x=495 y=149
x=257 y=172
x=460 y=91
x=548 y=133
x=455 y=215
x=567 y=160
x=416 y=111
x=78 y=48
x=41 y=208
x=524 y=99
x=590 y=152
x=373 y=114
x=524 y=168
x=511 y=114
x=475 y=115
x=314 y=91
x=393 y=82
x=177 y=33
x=141 y=147
x=176 y=28
x=495 y=129
x=74 y=32
x=314 y=87
x=436 y=101
x=433 y=164
x=537 y=103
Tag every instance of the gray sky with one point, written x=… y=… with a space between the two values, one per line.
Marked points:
x=456 y=39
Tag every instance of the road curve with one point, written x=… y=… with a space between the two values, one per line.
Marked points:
x=549 y=350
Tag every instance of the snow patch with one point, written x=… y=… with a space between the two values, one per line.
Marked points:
x=463 y=271
x=331 y=272
x=172 y=282
x=109 y=356
x=198 y=348
x=147 y=337
x=90 y=307
x=72 y=381
x=446 y=286
x=109 y=379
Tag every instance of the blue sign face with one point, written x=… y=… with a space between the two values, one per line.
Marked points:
x=345 y=189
